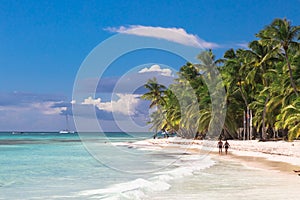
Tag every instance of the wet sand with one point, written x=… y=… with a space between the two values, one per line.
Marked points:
x=261 y=163
x=249 y=161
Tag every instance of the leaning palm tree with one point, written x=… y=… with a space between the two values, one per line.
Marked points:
x=155 y=96
x=171 y=112
x=181 y=98
x=282 y=34
x=216 y=110
x=290 y=104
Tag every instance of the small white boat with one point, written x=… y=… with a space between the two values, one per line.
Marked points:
x=66 y=131
x=17 y=132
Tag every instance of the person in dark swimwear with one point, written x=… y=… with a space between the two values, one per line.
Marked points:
x=220 y=145
x=226 y=145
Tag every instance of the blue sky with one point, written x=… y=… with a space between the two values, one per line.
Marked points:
x=43 y=44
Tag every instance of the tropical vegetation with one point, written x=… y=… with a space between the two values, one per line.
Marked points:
x=262 y=81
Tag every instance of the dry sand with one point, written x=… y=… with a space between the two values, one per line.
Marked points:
x=277 y=156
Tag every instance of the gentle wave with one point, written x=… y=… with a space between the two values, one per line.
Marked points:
x=140 y=188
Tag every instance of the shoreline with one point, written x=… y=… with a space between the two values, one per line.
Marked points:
x=283 y=158
x=260 y=163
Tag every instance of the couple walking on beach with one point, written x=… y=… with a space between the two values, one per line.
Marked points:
x=226 y=146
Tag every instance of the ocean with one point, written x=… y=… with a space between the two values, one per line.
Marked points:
x=103 y=166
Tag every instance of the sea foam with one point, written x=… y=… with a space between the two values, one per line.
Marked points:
x=140 y=188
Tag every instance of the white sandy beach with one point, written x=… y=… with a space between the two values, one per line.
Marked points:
x=282 y=155
x=267 y=172
x=193 y=169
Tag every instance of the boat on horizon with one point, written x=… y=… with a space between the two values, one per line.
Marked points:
x=17 y=132
x=67 y=130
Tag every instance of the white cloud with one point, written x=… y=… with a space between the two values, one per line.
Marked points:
x=48 y=108
x=30 y=118
x=14 y=108
x=156 y=68
x=125 y=104
x=91 y=101
x=178 y=35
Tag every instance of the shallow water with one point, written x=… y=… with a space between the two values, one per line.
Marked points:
x=50 y=165
x=234 y=181
x=55 y=166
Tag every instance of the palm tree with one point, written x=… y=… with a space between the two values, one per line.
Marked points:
x=239 y=93
x=260 y=59
x=181 y=98
x=282 y=34
x=155 y=96
x=216 y=109
x=287 y=117
x=264 y=77
x=234 y=74
x=171 y=112
x=290 y=119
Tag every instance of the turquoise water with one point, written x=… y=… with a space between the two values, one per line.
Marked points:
x=58 y=166
x=45 y=165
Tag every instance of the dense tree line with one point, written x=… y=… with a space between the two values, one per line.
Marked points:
x=262 y=80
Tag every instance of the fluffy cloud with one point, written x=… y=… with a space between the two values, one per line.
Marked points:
x=91 y=101
x=125 y=104
x=21 y=111
x=156 y=68
x=36 y=112
x=31 y=120
x=177 y=35
x=48 y=108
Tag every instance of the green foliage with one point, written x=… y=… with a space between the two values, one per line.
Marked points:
x=265 y=77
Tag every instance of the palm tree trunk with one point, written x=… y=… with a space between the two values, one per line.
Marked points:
x=244 y=124
x=245 y=114
x=290 y=73
x=251 y=127
x=248 y=123
x=243 y=96
x=263 y=119
x=274 y=132
x=155 y=134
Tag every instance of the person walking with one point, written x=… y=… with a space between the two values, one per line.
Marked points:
x=220 y=145
x=226 y=145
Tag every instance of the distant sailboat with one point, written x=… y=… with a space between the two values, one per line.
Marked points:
x=66 y=131
x=17 y=132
